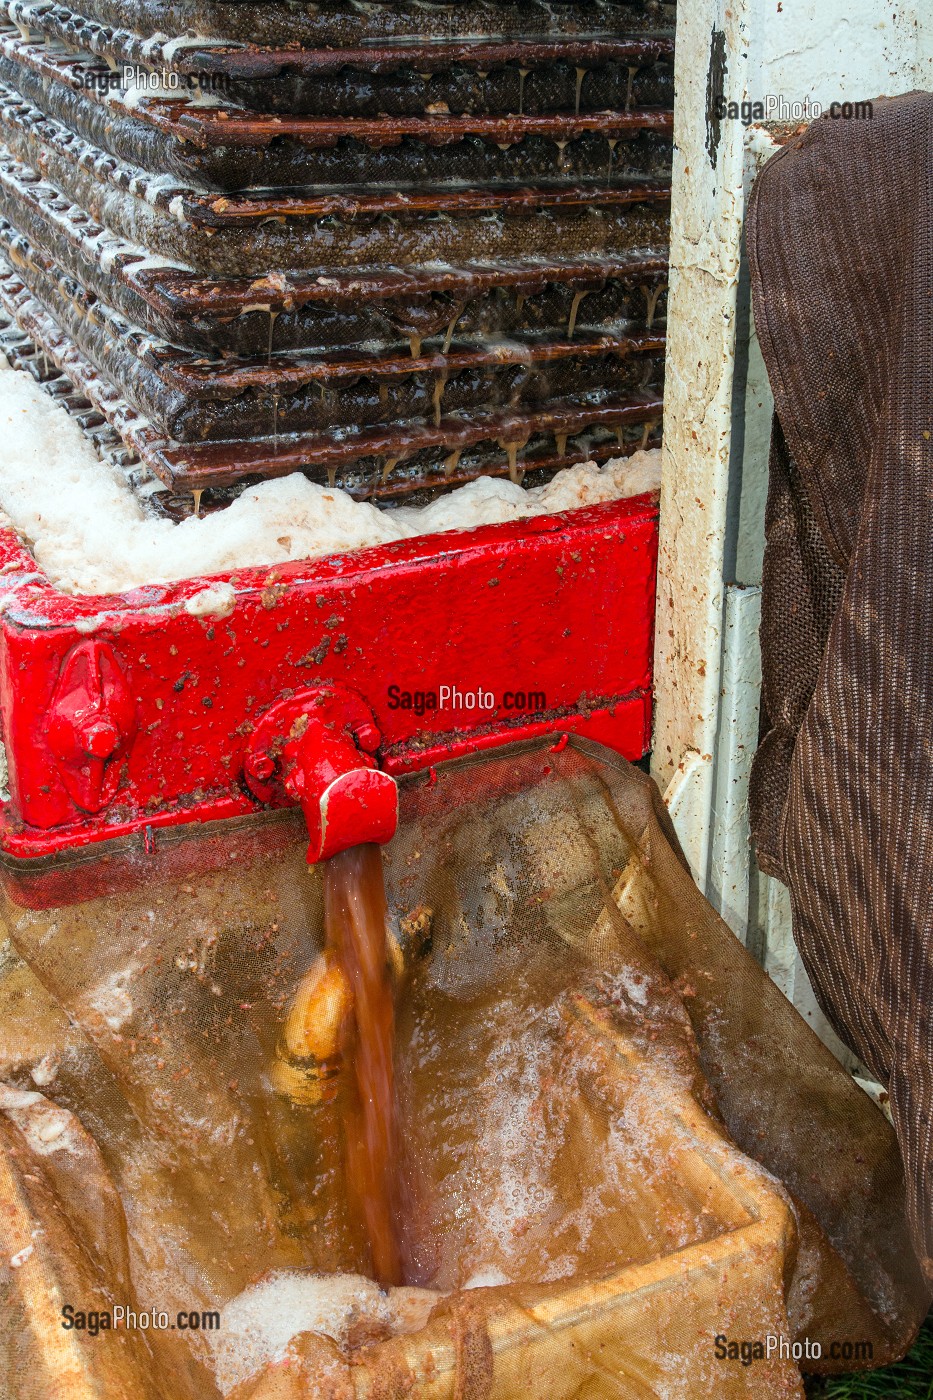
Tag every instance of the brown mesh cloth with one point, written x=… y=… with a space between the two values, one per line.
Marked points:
x=841 y=254
x=606 y=1107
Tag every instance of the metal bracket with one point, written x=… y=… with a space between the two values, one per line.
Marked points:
x=90 y=724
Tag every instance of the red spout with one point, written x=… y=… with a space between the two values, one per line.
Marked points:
x=317 y=748
x=346 y=800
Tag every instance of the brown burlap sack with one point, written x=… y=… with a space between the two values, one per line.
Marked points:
x=841 y=256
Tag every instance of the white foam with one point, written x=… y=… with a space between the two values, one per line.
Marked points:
x=257 y=1326
x=45 y=1071
x=112 y=1001
x=46 y=1127
x=218 y=600
x=91 y=534
x=488 y=1277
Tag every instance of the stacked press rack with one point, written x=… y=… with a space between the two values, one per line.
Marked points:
x=393 y=247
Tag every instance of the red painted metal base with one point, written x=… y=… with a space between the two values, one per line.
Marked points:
x=137 y=711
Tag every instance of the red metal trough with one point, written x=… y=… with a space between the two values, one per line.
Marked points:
x=129 y=713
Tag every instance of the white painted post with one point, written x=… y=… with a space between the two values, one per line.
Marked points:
x=706 y=227
x=730 y=867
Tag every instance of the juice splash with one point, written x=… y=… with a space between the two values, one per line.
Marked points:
x=355 y=924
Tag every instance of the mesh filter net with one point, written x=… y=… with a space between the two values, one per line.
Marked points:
x=843 y=783
x=618 y=1139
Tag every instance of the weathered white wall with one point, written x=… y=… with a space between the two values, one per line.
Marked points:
x=835 y=48
x=925 y=48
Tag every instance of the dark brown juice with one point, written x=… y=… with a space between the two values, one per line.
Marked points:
x=355 y=921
